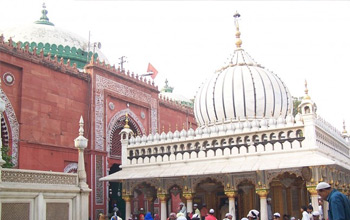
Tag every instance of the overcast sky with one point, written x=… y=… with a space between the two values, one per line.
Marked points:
x=186 y=41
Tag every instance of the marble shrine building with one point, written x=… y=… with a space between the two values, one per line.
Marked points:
x=248 y=146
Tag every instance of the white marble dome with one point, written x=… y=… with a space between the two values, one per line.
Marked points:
x=242 y=90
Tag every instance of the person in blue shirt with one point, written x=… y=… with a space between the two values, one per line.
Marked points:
x=339 y=204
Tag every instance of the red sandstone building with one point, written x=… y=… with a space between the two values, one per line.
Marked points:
x=47 y=86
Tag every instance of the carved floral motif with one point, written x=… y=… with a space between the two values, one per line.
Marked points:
x=14 y=126
x=103 y=84
x=24 y=176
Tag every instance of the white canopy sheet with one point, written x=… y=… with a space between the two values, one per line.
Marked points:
x=220 y=165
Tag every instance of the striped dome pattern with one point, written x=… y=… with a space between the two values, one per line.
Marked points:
x=242 y=90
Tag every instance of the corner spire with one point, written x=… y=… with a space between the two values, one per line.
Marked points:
x=238 y=33
x=306 y=91
x=44 y=19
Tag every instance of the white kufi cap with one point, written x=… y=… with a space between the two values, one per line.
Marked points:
x=322 y=185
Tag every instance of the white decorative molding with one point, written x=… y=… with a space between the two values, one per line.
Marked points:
x=113 y=121
x=71 y=167
x=14 y=127
x=103 y=84
x=39 y=177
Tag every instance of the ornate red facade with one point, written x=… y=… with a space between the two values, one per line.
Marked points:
x=45 y=99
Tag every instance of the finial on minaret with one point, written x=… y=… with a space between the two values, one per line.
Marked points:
x=44 y=19
x=81 y=126
x=126 y=121
x=238 y=33
x=306 y=91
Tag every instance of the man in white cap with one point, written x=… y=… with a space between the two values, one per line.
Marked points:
x=339 y=204
x=182 y=208
x=210 y=215
x=277 y=216
x=253 y=214
x=316 y=215
x=228 y=216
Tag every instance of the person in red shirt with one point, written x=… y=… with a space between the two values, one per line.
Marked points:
x=204 y=211
x=141 y=215
x=210 y=216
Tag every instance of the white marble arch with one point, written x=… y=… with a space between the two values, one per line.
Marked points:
x=71 y=168
x=114 y=119
x=13 y=125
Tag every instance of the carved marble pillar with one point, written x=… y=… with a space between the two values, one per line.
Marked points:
x=313 y=196
x=162 y=198
x=231 y=203
x=189 y=204
x=127 y=199
x=262 y=192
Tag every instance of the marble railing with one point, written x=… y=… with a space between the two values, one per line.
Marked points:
x=329 y=137
x=225 y=139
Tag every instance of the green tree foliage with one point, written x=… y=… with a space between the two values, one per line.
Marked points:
x=6 y=157
x=296 y=103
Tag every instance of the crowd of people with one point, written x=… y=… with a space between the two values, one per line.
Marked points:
x=339 y=209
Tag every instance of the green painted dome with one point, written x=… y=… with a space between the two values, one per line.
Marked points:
x=43 y=34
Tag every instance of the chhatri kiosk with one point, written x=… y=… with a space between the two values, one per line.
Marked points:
x=248 y=146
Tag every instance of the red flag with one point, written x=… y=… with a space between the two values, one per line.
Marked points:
x=152 y=70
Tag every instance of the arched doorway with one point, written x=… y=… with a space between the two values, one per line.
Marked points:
x=115 y=193
x=211 y=192
x=116 y=146
x=247 y=198
x=288 y=193
x=144 y=196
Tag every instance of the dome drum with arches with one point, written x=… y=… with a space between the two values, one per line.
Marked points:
x=241 y=90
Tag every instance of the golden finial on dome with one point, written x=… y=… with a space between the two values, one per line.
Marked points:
x=306 y=91
x=238 y=33
x=344 y=128
x=126 y=121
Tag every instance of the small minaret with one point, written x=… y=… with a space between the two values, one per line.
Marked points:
x=81 y=143
x=126 y=134
x=307 y=106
